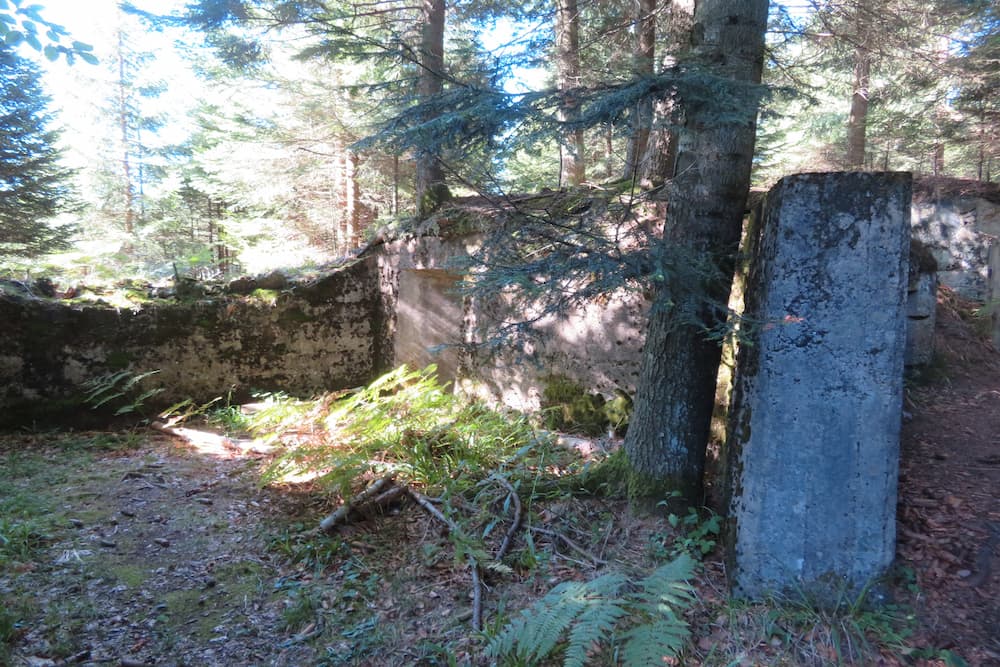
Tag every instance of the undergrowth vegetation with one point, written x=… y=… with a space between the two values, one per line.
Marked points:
x=584 y=581
x=641 y=622
x=407 y=424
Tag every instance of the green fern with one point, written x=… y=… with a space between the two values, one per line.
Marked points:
x=645 y=620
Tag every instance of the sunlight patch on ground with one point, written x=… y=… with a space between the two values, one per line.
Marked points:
x=207 y=443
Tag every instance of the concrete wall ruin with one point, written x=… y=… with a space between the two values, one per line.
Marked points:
x=314 y=337
x=813 y=450
x=959 y=223
x=400 y=304
x=596 y=346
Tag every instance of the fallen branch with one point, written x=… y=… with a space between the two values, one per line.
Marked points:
x=340 y=515
x=570 y=543
x=477 y=583
x=516 y=525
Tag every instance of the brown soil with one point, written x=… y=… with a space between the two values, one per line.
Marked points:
x=949 y=496
x=163 y=553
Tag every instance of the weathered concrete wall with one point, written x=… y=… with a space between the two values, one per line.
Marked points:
x=596 y=346
x=430 y=321
x=994 y=296
x=314 y=337
x=959 y=227
x=814 y=435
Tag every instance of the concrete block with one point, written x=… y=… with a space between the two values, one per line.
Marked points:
x=814 y=434
x=921 y=317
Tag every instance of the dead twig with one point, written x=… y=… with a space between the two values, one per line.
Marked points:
x=516 y=525
x=340 y=515
x=477 y=583
x=570 y=543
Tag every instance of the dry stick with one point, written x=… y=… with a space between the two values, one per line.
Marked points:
x=477 y=584
x=514 y=527
x=340 y=515
x=571 y=544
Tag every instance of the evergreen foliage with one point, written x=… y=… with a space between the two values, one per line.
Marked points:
x=26 y=24
x=642 y=619
x=34 y=187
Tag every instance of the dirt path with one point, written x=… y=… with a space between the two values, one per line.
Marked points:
x=155 y=556
x=949 y=507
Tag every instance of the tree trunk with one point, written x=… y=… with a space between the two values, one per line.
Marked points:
x=352 y=200
x=123 y=127
x=431 y=188
x=645 y=52
x=669 y=428
x=661 y=146
x=571 y=146
x=857 y=122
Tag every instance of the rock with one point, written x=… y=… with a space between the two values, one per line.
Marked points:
x=45 y=287
x=243 y=285
x=273 y=281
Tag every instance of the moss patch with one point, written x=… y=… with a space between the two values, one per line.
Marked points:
x=568 y=406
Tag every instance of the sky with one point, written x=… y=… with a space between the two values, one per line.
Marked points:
x=78 y=89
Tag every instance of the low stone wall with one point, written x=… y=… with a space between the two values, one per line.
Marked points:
x=313 y=337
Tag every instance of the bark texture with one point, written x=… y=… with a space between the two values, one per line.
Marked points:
x=645 y=54
x=669 y=428
x=661 y=145
x=571 y=145
x=857 y=121
x=431 y=187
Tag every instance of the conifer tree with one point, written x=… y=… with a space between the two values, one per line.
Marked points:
x=669 y=428
x=34 y=187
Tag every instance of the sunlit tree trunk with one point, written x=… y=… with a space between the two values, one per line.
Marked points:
x=124 y=125
x=571 y=145
x=669 y=428
x=431 y=187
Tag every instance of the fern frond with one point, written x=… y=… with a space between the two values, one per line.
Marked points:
x=593 y=627
x=537 y=630
x=549 y=620
x=651 y=643
x=667 y=591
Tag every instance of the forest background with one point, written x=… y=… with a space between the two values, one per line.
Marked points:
x=229 y=137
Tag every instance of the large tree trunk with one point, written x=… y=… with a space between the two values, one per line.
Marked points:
x=571 y=146
x=857 y=122
x=430 y=186
x=661 y=146
x=645 y=53
x=669 y=428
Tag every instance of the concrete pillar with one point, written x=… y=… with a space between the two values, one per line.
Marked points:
x=921 y=318
x=814 y=434
x=993 y=303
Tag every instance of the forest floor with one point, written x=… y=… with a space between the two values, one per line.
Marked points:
x=135 y=548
